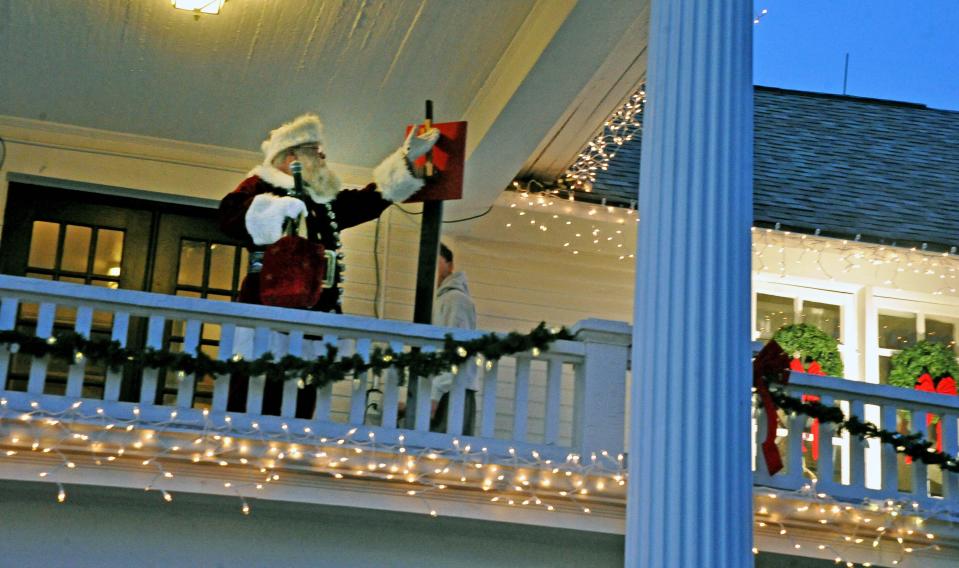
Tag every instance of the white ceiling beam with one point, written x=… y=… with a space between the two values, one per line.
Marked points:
x=509 y=131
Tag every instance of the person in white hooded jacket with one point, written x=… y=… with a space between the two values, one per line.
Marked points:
x=453 y=308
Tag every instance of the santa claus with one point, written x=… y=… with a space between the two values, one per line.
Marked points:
x=257 y=210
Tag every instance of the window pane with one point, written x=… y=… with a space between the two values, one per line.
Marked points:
x=192 y=255
x=897 y=331
x=76 y=248
x=772 y=312
x=221 y=266
x=823 y=316
x=43 y=245
x=106 y=259
x=938 y=331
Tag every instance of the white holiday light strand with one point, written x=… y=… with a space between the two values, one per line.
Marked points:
x=516 y=480
x=887 y=264
x=624 y=124
x=771 y=247
x=547 y=212
x=893 y=521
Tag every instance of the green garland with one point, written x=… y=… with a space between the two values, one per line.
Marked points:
x=912 y=445
x=319 y=371
x=811 y=343
x=924 y=357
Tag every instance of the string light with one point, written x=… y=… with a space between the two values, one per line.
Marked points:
x=624 y=124
x=154 y=445
x=780 y=252
x=852 y=534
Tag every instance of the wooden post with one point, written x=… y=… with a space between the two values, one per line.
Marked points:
x=429 y=245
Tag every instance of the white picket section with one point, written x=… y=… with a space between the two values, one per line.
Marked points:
x=925 y=485
x=114 y=379
x=8 y=320
x=187 y=383
x=488 y=416
x=75 y=375
x=148 y=386
x=541 y=411
x=38 y=367
x=290 y=387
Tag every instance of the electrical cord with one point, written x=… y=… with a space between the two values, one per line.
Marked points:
x=3 y=152
x=411 y=213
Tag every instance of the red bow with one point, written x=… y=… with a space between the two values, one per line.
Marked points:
x=814 y=369
x=771 y=360
x=947 y=385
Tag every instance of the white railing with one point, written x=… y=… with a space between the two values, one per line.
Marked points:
x=565 y=400
x=853 y=469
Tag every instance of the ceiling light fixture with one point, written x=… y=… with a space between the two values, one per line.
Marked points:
x=199 y=7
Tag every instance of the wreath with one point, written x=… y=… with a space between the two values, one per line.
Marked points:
x=812 y=344
x=924 y=357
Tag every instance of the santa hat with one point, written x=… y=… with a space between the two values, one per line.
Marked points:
x=302 y=130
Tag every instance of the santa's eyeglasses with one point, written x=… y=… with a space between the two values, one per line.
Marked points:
x=314 y=148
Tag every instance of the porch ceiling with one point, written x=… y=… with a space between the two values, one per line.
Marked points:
x=535 y=78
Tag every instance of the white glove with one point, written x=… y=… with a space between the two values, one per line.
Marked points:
x=416 y=146
x=266 y=215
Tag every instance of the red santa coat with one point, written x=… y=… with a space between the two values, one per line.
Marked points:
x=251 y=218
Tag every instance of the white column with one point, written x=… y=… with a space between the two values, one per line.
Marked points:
x=690 y=485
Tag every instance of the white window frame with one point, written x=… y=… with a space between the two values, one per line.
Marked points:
x=845 y=297
x=923 y=306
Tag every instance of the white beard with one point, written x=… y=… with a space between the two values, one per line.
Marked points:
x=321 y=183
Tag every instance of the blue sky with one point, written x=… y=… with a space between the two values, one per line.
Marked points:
x=905 y=50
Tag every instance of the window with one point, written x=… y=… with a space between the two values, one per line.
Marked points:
x=776 y=305
x=898 y=330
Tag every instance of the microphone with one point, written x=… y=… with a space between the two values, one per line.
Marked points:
x=296 y=168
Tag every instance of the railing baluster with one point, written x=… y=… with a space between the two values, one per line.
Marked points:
x=148 y=387
x=324 y=395
x=261 y=344
x=424 y=386
x=825 y=465
x=488 y=420
x=121 y=326
x=762 y=470
x=358 y=394
x=950 y=446
x=554 y=383
x=38 y=367
x=291 y=389
x=794 y=442
x=857 y=448
x=221 y=385
x=391 y=391
x=77 y=368
x=521 y=398
x=8 y=320
x=920 y=473
x=191 y=345
x=890 y=459
x=457 y=400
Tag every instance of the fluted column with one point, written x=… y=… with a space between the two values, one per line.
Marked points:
x=690 y=485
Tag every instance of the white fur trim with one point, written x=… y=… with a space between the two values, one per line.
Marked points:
x=264 y=219
x=394 y=179
x=272 y=176
x=302 y=129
